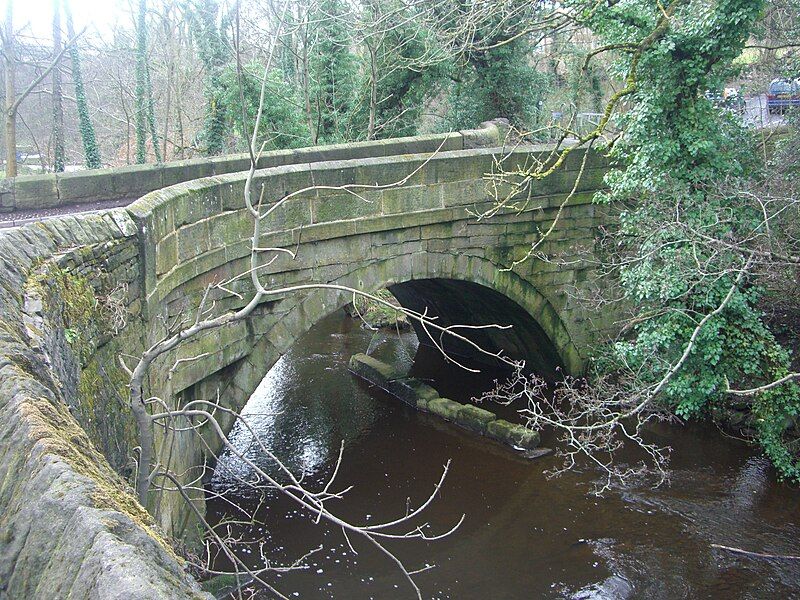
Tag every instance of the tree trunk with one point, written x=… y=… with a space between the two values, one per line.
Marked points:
x=179 y=123
x=91 y=151
x=141 y=86
x=11 y=113
x=373 y=90
x=306 y=91
x=59 y=159
x=151 y=114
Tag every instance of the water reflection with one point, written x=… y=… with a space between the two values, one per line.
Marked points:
x=525 y=536
x=308 y=404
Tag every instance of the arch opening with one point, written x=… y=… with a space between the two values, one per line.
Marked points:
x=458 y=302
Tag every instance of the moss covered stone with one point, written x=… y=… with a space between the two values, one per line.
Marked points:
x=424 y=393
x=445 y=408
x=513 y=434
x=373 y=370
x=475 y=418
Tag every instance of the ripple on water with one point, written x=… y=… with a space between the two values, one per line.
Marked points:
x=524 y=536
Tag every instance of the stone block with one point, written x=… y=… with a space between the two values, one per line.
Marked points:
x=403 y=221
x=451 y=168
x=166 y=254
x=186 y=170
x=7 y=200
x=352 y=249
x=475 y=418
x=373 y=370
x=410 y=199
x=488 y=135
x=135 y=180
x=84 y=186
x=404 y=390
x=327 y=231
x=332 y=172
x=281 y=181
x=463 y=193
x=273 y=158
x=513 y=434
x=230 y=228
x=393 y=172
x=445 y=408
x=35 y=191
x=208 y=262
x=424 y=393
x=232 y=163
x=338 y=207
x=192 y=241
x=194 y=201
x=442 y=142
x=295 y=212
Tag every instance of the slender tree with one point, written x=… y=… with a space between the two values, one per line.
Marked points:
x=145 y=108
x=9 y=68
x=59 y=159
x=332 y=70
x=151 y=112
x=141 y=67
x=91 y=151
x=211 y=47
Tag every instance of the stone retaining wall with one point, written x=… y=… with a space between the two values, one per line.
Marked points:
x=69 y=527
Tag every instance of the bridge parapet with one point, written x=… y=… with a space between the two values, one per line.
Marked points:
x=199 y=232
x=34 y=192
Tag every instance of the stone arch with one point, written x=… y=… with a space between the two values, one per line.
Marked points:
x=242 y=378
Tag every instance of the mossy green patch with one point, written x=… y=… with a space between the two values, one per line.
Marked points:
x=475 y=418
x=79 y=308
x=445 y=408
x=57 y=433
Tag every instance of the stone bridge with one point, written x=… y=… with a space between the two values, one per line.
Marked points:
x=78 y=292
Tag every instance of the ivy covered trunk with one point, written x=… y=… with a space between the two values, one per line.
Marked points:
x=59 y=158
x=91 y=151
x=683 y=163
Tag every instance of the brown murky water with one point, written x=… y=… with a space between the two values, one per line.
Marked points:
x=524 y=535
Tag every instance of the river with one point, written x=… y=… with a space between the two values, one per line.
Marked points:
x=524 y=535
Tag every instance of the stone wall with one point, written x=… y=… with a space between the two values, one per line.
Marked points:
x=69 y=527
x=82 y=311
x=31 y=192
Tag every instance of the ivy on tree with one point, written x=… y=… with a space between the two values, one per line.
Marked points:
x=677 y=152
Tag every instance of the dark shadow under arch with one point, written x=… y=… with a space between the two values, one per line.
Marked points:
x=459 y=302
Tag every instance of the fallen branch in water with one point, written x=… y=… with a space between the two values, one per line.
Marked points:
x=757 y=554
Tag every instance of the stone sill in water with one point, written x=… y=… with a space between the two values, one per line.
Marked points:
x=423 y=397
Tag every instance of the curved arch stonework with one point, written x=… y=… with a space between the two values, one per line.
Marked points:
x=197 y=233
x=245 y=377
